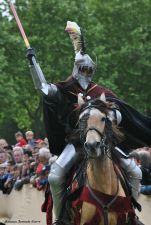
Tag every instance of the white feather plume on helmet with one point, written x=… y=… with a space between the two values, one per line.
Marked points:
x=75 y=34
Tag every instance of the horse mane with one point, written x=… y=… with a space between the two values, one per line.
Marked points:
x=95 y=103
x=113 y=133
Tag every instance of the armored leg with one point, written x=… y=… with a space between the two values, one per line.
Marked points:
x=133 y=171
x=134 y=174
x=57 y=177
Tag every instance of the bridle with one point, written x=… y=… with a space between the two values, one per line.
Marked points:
x=83 y=130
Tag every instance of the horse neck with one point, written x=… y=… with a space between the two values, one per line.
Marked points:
x=101 y=175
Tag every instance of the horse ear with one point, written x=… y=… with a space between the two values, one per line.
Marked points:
x=102 y=97
x=80 y=99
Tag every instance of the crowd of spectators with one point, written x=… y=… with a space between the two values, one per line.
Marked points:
x=28 y=161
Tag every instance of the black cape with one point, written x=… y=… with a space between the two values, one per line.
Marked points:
x=54 y=113
x=136 y=126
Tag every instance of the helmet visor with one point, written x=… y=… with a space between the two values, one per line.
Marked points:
x=86 y=71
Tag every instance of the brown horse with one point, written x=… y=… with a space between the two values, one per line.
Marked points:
x=99 y=136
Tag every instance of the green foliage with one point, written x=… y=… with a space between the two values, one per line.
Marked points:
x=117 y=32
x=126 y=39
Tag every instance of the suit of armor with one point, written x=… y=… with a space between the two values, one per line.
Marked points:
x=54 y=96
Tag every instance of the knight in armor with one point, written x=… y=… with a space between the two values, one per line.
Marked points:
x=59 y=102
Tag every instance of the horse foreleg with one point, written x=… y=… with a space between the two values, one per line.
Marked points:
x=88 y=212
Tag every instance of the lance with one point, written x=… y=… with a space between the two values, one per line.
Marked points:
x=40 y=80
x=12 y=7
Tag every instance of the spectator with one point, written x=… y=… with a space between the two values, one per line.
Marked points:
x=27 y=154
x=40 y=179
x=25 y=169
x=38 y=170
x=135 y=154
x=28 y=164
x=18 y=154
x=3 y=157
x=20 y=140
x=17 y=172
x=9 y=175
x=35 y=151
x=10 y=155
x=3 y=144
x=30 y=138
x=143 y=159
x=41 y=143
x=28 y=147
x=44 y=155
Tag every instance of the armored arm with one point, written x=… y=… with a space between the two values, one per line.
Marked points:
x=38 y=76
x=115 y=115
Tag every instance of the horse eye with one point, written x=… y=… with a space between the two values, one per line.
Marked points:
x=103 y=119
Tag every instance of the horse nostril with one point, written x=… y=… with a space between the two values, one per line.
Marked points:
x=91 y=146
x=87 y=145
x=97 y=144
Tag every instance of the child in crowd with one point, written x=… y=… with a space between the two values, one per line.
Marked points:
x=30 y=138
x=20 y=139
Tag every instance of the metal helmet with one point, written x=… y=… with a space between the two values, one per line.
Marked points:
x=84 y=67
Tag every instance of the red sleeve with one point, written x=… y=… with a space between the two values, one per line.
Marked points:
x=22 y=142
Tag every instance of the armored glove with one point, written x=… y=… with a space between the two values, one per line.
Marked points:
x=30 y=54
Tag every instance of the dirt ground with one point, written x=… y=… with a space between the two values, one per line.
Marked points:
x=22 y=210
x=22 y=207
x=145 y=215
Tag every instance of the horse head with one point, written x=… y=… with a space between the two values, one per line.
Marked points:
x=97 y=132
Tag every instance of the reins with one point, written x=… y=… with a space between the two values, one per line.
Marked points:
x=105 y=207
x=95 y=129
